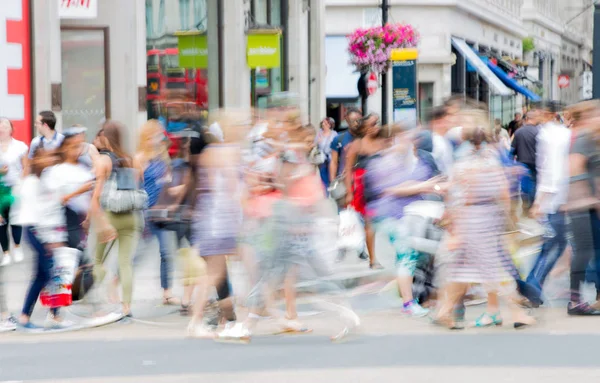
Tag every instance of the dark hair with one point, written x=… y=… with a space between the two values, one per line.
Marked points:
x=61 y=149
x=112 y=133
x=363 y=122
x=48 y=118
x=37 y=164
x=330 y=121
x=478 y=136
x=349 y=111
x=437 y=113
x=548 y=106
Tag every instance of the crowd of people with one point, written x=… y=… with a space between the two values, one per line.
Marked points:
x=266 y=190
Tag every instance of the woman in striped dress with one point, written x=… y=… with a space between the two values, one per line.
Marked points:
x=478 y=209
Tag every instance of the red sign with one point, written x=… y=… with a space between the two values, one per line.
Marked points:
x=372 y=84
x=564 y=81
x=15 y=67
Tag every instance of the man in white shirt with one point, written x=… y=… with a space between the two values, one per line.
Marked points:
x=552 y=163
x=442 y=148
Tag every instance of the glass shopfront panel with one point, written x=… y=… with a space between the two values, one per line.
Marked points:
x=177 y=56
x=267 y=81
x=84 y=78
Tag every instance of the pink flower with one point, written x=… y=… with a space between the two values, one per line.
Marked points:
x=370 y=48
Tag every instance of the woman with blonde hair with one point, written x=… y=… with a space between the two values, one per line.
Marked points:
x=152 y=155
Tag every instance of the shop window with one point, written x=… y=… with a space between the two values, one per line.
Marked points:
x=177 y=82
x=425 y=100
x=85 y=77
x=260 y=12
x=264 y=82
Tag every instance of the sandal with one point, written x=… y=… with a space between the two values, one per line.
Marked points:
x=171 y=301
x=185 y=310
x=376 y=266
x=447 y=322
x=487 y=320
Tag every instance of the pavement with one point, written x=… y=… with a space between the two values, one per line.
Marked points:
x=387 y=347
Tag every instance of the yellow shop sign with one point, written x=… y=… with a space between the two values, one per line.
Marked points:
x=264 y=49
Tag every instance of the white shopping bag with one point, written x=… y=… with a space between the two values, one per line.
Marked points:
x=351 y=231
x=58 y=292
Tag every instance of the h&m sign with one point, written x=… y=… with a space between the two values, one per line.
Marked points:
x=77 y=9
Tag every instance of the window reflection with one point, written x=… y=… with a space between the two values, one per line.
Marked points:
x=167 y=83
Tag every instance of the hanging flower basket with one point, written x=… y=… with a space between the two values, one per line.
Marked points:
x=370 y=48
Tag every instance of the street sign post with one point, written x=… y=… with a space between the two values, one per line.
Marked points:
x=404 y=84
x=372 y=84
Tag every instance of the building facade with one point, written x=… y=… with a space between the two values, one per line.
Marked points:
x=562 y=33
x=494 y=29
x=91 y=60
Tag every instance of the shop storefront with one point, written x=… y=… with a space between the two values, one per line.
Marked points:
x=15 y=67
x=176 y=57
x=266 y=49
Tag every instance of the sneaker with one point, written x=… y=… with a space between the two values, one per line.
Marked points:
x=52 y=322
x=288 y=326
x=236 y=333
x=7 y=325
x=581 y=309
x=227 y=330
x=200 y=331
x=29 y=327
x=6 y=260
x=17 y=255
x=414 y=310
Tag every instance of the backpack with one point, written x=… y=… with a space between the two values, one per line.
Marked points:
x=121 y=194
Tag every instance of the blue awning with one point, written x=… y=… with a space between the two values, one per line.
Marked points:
x=496 y=86
x=512 y=83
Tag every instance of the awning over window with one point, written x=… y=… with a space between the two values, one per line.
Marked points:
x=340 y=78
x=494 y=82
x=512 y=83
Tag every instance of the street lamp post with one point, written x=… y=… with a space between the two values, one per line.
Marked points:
x=384 y=114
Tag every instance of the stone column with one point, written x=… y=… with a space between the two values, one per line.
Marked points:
x=46 y=56
x=212 y=33
x=298 y=47
x=236 y=74
x=318 y=103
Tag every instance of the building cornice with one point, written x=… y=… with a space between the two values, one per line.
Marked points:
x=532 y=15
x=513 y=26
x=499 y=20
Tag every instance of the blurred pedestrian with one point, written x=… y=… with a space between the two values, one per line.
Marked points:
x=583 y=201
x=13 y=163
x=523 y=146
x=115 y=207
x=217 y=219
x=358 y=154
x=394 y=179
x=325 y=137
x=152 y=155
x=478 y=207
